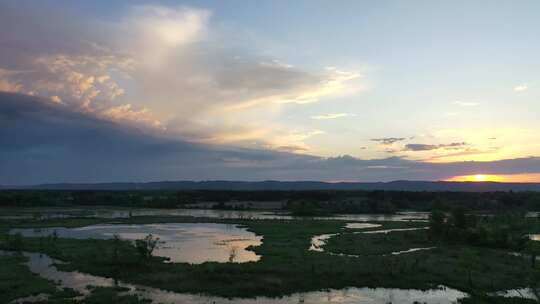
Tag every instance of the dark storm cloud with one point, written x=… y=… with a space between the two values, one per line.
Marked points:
x=41 y=141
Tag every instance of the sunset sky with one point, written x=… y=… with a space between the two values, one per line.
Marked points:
x=100 y=91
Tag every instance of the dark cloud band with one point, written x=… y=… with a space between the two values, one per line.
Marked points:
x=41 y=142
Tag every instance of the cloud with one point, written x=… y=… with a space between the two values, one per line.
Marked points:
x=126 y=113
x=466 y=103
x=331 y=116
x=7 y=85
x=56 y=99
x=521 y=88
x=52 y=139
x=164 y=67
x=83 y=83
x=293 y=149
x=168 y=27
x=428 y=147
x=464 y=152
x=388 y=140
x=420 y=147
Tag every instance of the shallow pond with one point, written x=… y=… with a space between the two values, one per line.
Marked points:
x=361 y=225
x=180 y=242
x=395 y=230
x=525 y=293
x=534 y=237
x=43 y=265
x=318 y=241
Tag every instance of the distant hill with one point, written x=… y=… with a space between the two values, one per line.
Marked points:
x=293 y=185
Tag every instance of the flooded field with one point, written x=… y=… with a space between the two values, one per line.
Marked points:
x=534 y=237
x=394 y=230
x=361 y=225
x=180 y=242
x=43 y=266
x=259 y=257
x=319 y=241
x=50 y=213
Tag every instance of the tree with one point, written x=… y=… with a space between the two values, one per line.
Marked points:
x=115 y=258
x=304 y=207
x=468 y=260
x=15 y=242
x=116 y=248
x=533 y=248
x=146 y=246
x=52 y=240
x=232 y=254
x=437 y=222
x=36 y=216
x=459 y=218
x=534 y=278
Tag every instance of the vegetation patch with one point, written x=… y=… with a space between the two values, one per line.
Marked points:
x=16 y=281
x=365 y=244
x=287 y=266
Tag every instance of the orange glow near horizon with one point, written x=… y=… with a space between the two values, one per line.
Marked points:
x=505 y=178
x=481 y=178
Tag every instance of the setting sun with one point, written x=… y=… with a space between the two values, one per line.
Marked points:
x=477 y=178
x=199 y=151
x=480 y=178
x=504 y=178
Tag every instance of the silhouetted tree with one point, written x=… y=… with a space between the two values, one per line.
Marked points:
x=468 y=260
x=146 y=246
x=533 y=248
x=459 y=218
x=437 y=222
x=232 y=254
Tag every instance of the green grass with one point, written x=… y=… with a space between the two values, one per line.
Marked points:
x=378 y=243
x=286 y=265
x=16 y=281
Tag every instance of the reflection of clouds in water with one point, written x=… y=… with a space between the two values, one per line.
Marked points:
x=534 y=237
x=210 y=213
x=134 y=235
x=343 y=296
x=180 y=242
x=361 y=225
x=229 y=241
x=318 y=241
x=395 y=230
x=79 y=281
x=42 y=264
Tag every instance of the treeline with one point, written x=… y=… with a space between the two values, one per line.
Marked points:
x=505 y=231
x=392 y=201
x=332 y=201
x=355 y=205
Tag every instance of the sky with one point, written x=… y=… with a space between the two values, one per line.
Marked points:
x=308 y=90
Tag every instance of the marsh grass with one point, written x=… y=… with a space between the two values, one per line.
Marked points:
x=16 y=281
x=287 y=266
